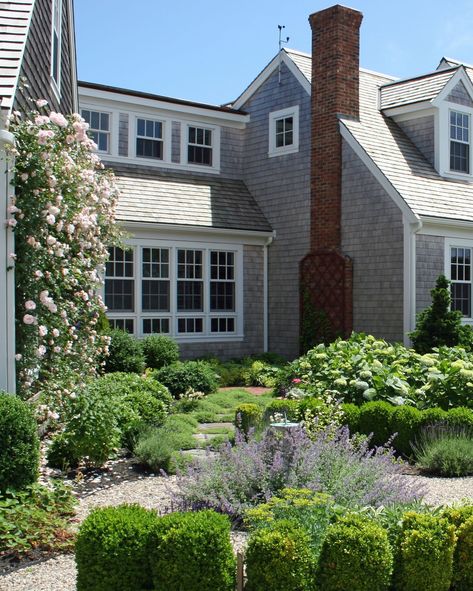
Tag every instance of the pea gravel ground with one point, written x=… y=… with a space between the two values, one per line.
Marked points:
x=120 y=483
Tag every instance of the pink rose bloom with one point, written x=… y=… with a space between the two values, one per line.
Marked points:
x=44 y=135
x=58 y=119
x=28 y=319
x=18 y=356
x=30 y=305
x=43 y=331
x=41 y=103
x=10 y=223
x=41 y=120
x=38 y=274
x=41 y=351
x=50 y=219
x=12 y=209
x=296 y=381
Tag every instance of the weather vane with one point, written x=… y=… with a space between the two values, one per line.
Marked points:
x=281 y=42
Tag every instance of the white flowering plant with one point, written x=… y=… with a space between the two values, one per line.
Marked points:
x=62 y=216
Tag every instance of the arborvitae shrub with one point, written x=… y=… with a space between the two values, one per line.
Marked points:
x=125 y=353
x=438 y=325
x=19 y=443
x=248 y=416
x=180 y=377
x=424 y=553
x=356 y=555
x=190 y=551
x=112 y=549
x=375 y=417
x=280 y=558
x=160 y=350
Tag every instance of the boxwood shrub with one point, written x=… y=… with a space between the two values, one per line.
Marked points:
x=159 y=350
x=355 y=555
x=375 y=417
x=182 y=376
x=280 y=558
x=247 y=416
x=291 y=408
x=463 y=557
x=424 y=553
x=190 y=551
x=19 y=443
x=112 y=549
x=351 y=416
x=125 y=353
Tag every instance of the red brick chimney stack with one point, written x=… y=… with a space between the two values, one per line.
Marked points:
x=335 y=90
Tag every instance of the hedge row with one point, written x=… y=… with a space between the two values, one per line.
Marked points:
x=424 y=553
x=130 y=548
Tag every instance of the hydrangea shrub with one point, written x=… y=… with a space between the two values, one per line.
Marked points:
x=62 y=216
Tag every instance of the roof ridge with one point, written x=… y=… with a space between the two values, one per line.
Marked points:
x=421 y=76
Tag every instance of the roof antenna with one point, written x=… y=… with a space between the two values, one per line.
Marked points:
x=281 y=42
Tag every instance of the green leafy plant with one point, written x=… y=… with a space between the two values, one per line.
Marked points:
x=287 y=408
x=36 y=519
x=423 y=555
x=19 y=443
x=248 y=416
x=316 y=327
x=180 y=377
x=463 y=557
x=112 y=549
x=280 y=558
x=351 y=416
x=159 y=350
x=375 y=417
x=438 y=325
x=445 y=450
x=125 y=353
x=191 y=551
x=355 y=555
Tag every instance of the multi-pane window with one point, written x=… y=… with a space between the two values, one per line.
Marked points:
x=56 y=41
x=119 y=281
x=177 y=290
x=149 y=138
x=155 y=284
x=460 y=275
x=190 y=285
x=99 y=128
x=459 y=142
x=199 y=148
x=284 y=132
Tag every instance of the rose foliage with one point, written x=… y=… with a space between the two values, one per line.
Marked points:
x=62 y=216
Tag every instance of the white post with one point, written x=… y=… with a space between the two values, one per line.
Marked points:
x=7 y=273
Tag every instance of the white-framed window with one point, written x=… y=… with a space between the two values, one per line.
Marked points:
x=56 y=44
x=99 y=128
x=459 y=142
x=284 y=131
x=199 y=145
x=149 y=138
x=458 y=269
x=184 y=290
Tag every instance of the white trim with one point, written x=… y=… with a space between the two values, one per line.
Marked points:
x=411 y=115
x=274 y=116
x=407 y=110
x=459 y=76
x=446 y=227
x=56 y=84
x=215 y=146
x=266 y=73
x=113 y=128
x=410 y=231
x=376 y=172
x=129 y=102
x=166 y=139
x=442 y=143
x=73 y=56
x=266 y=294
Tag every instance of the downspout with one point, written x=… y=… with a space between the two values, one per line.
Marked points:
x=7 y=274
x=410 y=231
x=266 y=293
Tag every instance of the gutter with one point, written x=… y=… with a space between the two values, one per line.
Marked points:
x=266 y=293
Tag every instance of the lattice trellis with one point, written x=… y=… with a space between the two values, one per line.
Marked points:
x=327 y=276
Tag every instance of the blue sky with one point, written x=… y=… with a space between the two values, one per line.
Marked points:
x=209 y=50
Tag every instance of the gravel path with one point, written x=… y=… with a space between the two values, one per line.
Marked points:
x=59 y=573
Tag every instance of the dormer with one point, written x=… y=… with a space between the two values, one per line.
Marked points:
x=436 y=112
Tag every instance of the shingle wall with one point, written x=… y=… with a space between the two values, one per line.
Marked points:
x=123 y=134
x=430 y=263
x=280 y=186
x=460 y=95
x=372 y=235
x=422 y=134
x=253 y=342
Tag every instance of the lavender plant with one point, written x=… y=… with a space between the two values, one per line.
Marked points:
x=253 y=471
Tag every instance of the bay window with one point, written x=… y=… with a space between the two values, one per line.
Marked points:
x=184 y=291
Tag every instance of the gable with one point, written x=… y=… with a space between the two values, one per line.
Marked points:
x=460 y=96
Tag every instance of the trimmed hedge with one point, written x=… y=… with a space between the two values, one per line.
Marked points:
x=280 y=558
x=375 y=418
x=463 y=558
x=19 y=443
x=190 y=551
x=355 y=555
x=424 y=553
x=125 y=353
x=159 y=350
x=247 y=416
x=182 y=376
x=112 y=549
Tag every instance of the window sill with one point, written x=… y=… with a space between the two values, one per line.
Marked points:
x=283 y=151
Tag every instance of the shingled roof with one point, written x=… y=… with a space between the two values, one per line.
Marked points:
x=151 y=196
x=15 y=18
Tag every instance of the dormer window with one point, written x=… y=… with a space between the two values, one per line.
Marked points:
x=99 y=128
x=149 y=139
x=199 y=149
x=459 y=142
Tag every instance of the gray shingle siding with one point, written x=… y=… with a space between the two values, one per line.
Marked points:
x=123 y=134
x=36 y=66
x=253 y=343
x=176 y=142
x=372 y=235
x=421 y=132
x=460 y=95
x=430 y=261
x=281 y=187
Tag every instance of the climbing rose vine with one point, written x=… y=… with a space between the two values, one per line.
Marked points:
x=62 y=216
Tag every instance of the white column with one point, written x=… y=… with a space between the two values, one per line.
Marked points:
x=7 y=273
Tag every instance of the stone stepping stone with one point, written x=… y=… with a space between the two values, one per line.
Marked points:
x=206 y=436
x=222 y=425
x=201 y=454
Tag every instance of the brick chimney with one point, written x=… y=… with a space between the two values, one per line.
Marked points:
x=326 y=274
